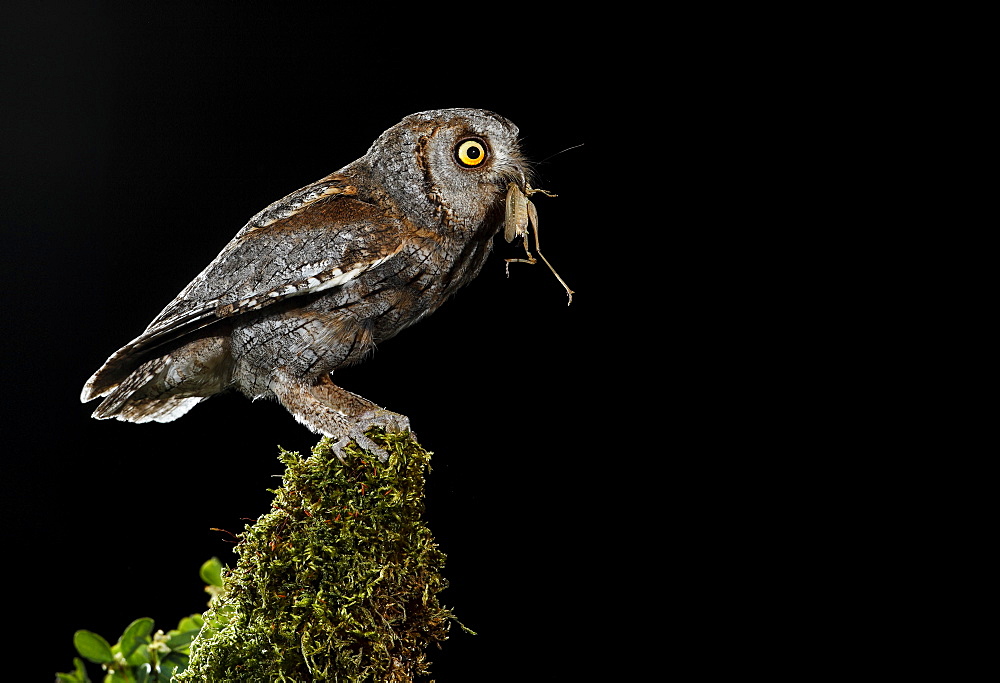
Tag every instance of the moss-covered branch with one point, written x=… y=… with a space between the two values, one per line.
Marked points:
x=338 y=582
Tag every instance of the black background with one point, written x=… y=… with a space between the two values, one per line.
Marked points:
x=137 y=142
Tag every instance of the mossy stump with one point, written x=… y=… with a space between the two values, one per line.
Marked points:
x=338 y=582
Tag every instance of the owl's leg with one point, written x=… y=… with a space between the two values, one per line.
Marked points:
x=327 y=409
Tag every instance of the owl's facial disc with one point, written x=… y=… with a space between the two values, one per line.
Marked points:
x=449 y=166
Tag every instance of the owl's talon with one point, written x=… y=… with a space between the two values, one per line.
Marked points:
x=379 y=417
x=363 y=442
x=386 y=419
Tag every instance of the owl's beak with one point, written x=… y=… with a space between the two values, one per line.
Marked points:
x=523 y=172
x=513 y=168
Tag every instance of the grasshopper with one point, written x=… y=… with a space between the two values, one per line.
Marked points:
x=522 y=215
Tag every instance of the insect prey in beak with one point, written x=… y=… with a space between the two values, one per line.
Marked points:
x=520 y=215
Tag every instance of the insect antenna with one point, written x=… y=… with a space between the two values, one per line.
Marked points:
x=558 y=153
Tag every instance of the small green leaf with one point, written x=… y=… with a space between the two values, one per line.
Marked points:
x=134 y=641
x=93 y=647
x=191 y=623
x=211 y=572
x=140 y=628
x=174 y=663
x=181 y=639
x=78 y=675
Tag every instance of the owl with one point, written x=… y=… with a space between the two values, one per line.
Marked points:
x=314 y=281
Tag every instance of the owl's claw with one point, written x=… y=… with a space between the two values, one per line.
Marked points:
x=386 y=419
x=358 y=437
x=377 y=417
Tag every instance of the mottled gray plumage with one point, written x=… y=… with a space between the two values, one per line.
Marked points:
x=313 y=281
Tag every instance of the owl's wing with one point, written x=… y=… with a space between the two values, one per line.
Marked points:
x=319 y=237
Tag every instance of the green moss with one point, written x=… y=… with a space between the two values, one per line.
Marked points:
x=338 y=582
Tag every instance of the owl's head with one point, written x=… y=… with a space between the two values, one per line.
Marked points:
x=449 y=165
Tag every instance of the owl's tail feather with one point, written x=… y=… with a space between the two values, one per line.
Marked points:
x=164 y=388
x=149 y=410
x=185 y=333
x=147 y=395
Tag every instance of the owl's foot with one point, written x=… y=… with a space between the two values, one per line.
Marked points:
x=378 y=417
x=327 y=409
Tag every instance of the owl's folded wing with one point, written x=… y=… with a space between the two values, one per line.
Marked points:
x=316 y=238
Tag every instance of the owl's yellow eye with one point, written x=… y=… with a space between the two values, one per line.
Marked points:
x=470 y=152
